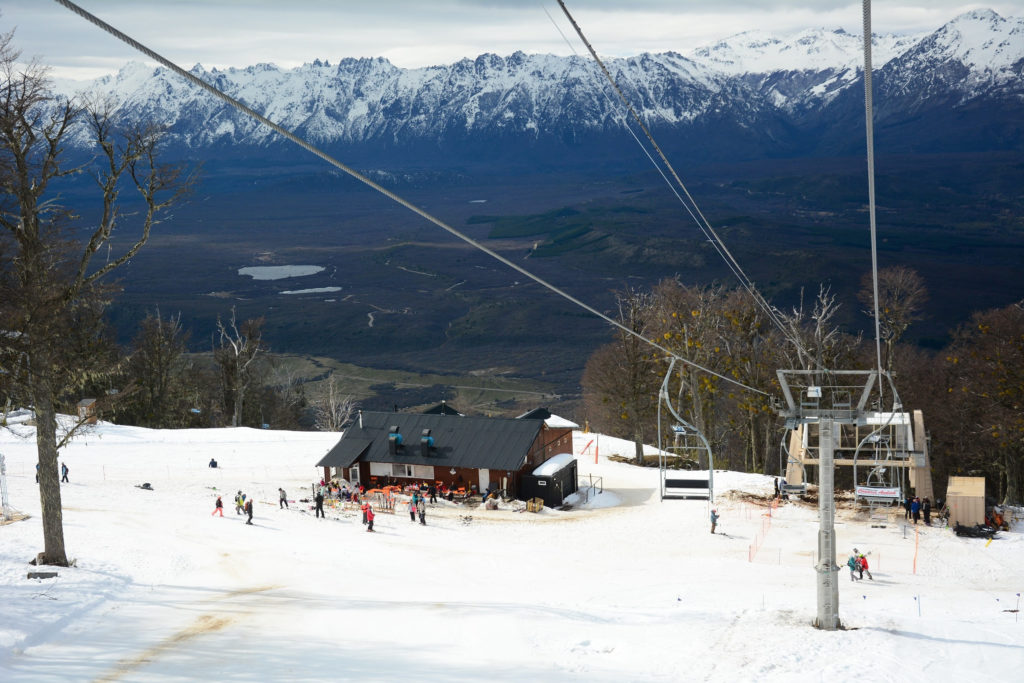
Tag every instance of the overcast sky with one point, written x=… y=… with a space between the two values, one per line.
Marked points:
x=412 y=33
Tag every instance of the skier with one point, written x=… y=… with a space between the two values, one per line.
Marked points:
x=369 y=517
x=64 y=472
x=915 y=510
x=714 y=520
x=432 y=490
x=219 y=508
x=362 y=507
x=248 y=510
x=853 y=564
x=239 y=503
x=284 y=498
x=422 y=509
x=926 y=510
x=412 y=509
x=776 y=487
x=862 y=565
x=319 y=511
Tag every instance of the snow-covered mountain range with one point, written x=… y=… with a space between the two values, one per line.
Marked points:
x=753 y=91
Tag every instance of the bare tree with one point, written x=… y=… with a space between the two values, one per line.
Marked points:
x=53 y=295
x=239 y=346
x=333 y=409
x=817 y=343
x=155 y=369
x=620 y=380
x=901 y=295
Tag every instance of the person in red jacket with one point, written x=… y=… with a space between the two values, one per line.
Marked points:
x=369 y=517
x=862 y=566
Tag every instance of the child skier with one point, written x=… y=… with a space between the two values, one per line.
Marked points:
x=369 y=517
x=219 y=508
x=714 y=520
x=248 y=510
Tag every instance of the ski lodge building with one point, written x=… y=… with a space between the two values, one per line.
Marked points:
x=444 y=447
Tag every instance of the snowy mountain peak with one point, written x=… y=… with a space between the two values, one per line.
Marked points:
x=807 y=50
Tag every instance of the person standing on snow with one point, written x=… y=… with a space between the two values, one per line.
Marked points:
x=319 y=511
x=915 y=510
x=412 y=509
x=239 y=503
x=853 y=564
x=862 y=565
x=64 y=472
x=926 y=510
x=284 y=498
x=369 y=517
x=219 y=507
x=248 y=510
x=422 y=510
x=714 y=520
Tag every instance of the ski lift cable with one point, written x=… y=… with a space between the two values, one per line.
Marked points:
x=702 y=221
x=716 y=244
x=870 y=130
x=382 y=190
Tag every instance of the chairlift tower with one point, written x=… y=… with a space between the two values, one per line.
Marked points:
x=825 y=400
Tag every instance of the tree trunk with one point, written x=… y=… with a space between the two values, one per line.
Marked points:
x=236 y=418
x=638 y=444
x=49 y=479
x=1012 y=468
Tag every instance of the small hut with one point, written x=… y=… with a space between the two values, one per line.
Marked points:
x=87 y=410
x=965 y=497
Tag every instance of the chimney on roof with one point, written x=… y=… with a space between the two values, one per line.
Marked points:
x=394 y=440
x=426 y=443
x=360 y=419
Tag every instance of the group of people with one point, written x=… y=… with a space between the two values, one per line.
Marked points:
x=243 y=505
x=915 y=508
x=418 y=505
x=63 y=473
x=858 y=563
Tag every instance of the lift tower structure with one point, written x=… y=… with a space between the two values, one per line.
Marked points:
x=825 y=398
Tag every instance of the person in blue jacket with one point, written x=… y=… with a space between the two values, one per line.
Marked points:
x=915 y=510
x=714 y=520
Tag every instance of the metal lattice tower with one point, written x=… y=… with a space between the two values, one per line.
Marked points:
x=825 y=400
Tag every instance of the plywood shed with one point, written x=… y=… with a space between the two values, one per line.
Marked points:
x=965 y=497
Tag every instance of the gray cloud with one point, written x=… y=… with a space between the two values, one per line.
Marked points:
x=226 y=33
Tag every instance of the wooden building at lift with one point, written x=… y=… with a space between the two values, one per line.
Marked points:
x=444 y=446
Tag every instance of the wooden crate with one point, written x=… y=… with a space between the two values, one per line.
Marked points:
x=535 y=505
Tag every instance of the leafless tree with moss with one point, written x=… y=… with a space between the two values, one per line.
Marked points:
x=237 y=348
x=52 y=263
x=334 y=409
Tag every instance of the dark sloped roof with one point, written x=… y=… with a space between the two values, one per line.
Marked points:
x=536 y=414
x=472 y=442
x=344 y=453
x=442 y=408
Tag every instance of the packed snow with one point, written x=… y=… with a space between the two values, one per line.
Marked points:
x=623 y=588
